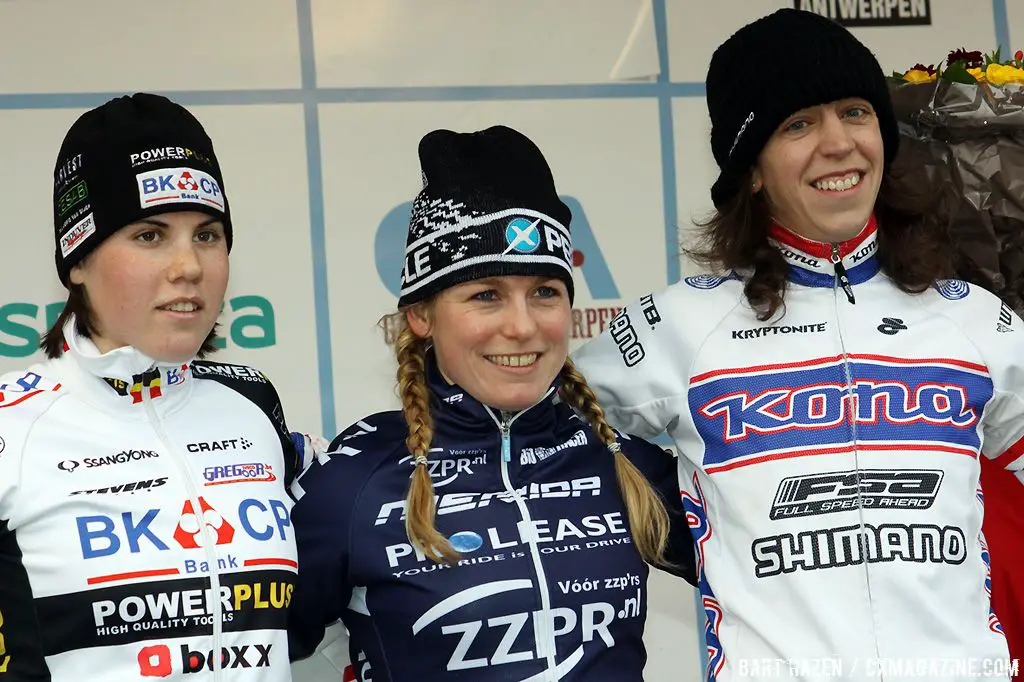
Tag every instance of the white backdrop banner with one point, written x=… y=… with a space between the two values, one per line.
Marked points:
x=316 y=108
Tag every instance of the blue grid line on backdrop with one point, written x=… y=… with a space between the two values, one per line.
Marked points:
x=310 y=96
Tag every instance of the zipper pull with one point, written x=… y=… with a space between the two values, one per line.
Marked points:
x=844 y=280
x=506 y=442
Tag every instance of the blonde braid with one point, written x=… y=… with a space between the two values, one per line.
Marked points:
x=420 y=506
x=648 y=518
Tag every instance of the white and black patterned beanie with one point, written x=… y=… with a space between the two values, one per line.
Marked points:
x=488 y=208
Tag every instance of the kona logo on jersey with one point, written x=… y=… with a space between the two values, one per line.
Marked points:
x=445 y=471
x=762 y=332
x=935 y=404
x=459 y=502
x=101 y=535
x=156 y=660
x=219 y=445
x=814 y=494
x=539 y=530
x=120 y=458
x=586 y=624
x=253 y=472
x=850 y=545
x=798 y=257
x=131 y=488
x=178 y=185
x=865 y=251
x=233 y=371
x=534 y=455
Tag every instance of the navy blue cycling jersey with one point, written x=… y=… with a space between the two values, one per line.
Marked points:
x=549 y=586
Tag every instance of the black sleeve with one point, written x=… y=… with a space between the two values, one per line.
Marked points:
x=256 y=387
x=21 y=639
x=327 y=494
x=661 y=470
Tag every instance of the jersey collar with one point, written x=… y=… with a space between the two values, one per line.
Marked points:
x=126 y=375
x=454 y=407
x=811 y=261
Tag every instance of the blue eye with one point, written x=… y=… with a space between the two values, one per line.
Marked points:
x=796 y=126
x=486 y=295
x=857 y=112
x=548 y=292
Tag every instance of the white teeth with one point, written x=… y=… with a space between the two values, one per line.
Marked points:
x=513 y=360
x=184 y=307
x=838 y=184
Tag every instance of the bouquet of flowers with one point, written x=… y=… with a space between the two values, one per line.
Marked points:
x=962 y=137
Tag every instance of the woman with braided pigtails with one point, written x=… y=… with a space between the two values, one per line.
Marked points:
x=528 y=521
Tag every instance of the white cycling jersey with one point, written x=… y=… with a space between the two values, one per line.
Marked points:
x=144 y=524
x=830 y=460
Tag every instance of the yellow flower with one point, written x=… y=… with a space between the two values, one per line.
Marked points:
x=918 y=76
x=978 y=74
x=997 y=74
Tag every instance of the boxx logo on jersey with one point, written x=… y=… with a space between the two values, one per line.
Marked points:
x=157 y=661
x=178 y=185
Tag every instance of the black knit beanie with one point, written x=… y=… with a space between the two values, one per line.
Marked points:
x=131 y=158
x=772 y=68
x=488 y=208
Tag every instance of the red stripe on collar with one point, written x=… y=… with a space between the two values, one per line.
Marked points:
x=821 y=249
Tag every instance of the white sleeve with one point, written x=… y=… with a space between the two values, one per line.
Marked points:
x=998 y=333
x=638 y=367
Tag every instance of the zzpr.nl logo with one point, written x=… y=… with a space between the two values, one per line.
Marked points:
x=590 y=625
x=157 y=660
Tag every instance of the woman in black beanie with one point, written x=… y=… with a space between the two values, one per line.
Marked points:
x=830 y=392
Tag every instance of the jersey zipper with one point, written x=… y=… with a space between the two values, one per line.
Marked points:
x=544 y=633
x=853 y=408
x=841 y=276
x=209 y=542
